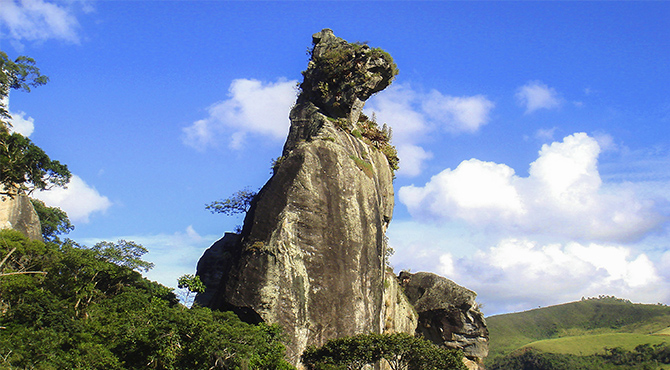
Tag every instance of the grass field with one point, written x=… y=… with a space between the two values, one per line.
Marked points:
x=591 y=318
x=595 y=344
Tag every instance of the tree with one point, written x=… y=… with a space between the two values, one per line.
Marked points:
x=123 y=253
x=87 y=312
x=192 y=284
x=240 y=202
x=24 y=166
x=54 y=221
x=20 y=74
x=401 y=351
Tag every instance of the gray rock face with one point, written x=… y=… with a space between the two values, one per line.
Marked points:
x=17 y=213
x=448 y=313
x=341 y=76
x=310 y=255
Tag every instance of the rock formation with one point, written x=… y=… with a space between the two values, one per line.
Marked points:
x=17 y=212
x=311 y=253
x=448 y=313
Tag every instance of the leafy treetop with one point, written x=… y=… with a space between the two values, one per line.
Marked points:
x=24 y=166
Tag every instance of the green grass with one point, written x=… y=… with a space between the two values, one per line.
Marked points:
x=363 y=166
x=583 y=318
x=595 y=344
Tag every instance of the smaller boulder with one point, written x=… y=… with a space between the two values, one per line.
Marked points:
x=449 y=316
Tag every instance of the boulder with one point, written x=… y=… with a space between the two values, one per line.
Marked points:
x=448 y=313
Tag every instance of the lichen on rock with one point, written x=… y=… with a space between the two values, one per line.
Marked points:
x=341 y=76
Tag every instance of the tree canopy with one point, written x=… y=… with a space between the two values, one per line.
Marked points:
x=91 y=310
x=400 y=351
x=24 y=166
x=240 y=202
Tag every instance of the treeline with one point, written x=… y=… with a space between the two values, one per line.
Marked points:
x=400 y=351
x=66 y=306
x=643 y=357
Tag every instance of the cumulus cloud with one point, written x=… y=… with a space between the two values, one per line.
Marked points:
x=562 y=196
x=38 y=20
x=535 y=95
x=458 y=114
x=19 y=122
x=22 y=124
x=413 y=158
x=252 y=107
x=79 y=200
x=414 y=115
x=521 y=274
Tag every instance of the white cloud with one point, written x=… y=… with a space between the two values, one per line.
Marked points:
x=545 y=134
x=458 y=114
x=413 y=116
x=79 y=200
x=252 y=107
x=535 y=95
x=413 y=158
x=395 y=106
x=521 y=274
x=21 y=124
x=562 y=196
x=38 y=20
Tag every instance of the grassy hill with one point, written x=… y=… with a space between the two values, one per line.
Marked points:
x=580 y=328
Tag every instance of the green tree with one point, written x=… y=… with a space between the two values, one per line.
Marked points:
x=24 y=166
x=20 y=74
x=239 y=202
x=54 y=221
x=401 y=351
x=89 y=313
x=192 y=285
x=123 y=253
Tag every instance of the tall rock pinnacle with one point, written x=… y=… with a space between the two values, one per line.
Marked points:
x=311 y=253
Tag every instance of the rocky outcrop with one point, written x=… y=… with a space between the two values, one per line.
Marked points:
x=311 y=253
x=17 y=212
x=448 y=313
x=398 y=313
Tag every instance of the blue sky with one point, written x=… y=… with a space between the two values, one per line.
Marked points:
x=533 y=136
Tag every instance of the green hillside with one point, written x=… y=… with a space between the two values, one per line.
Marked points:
x=585 y=345
x=590 y=317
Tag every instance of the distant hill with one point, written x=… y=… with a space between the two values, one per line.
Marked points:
x=580 y=328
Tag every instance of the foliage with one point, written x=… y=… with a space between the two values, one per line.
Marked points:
x=363 y=166
x=401 y=351
x=54 y=221
x=88 y=312
x=642 y=357
x=240 y=202
x=192 y=285
x=123 y=253
x=20 y=74
x=23 y=165
x=378 y=138
x=344 y=66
